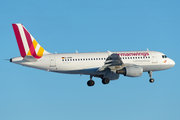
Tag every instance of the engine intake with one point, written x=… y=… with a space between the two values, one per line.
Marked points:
x=131 y=71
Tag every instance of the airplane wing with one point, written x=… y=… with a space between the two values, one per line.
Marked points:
x=113 y=62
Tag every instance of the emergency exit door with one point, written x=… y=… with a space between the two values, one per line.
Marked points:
x=154 y=58
x=52 y=61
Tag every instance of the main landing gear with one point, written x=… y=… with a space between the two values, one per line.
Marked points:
x=91 y=82
x=105 y=80
x=151 y=80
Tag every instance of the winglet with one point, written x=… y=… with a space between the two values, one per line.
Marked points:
x=109 y=52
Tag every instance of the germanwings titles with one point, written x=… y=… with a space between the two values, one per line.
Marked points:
x=105 y=65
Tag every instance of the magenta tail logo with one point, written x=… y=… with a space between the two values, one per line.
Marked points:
x=26 y=42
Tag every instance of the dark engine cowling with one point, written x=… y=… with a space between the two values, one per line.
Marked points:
x=131 y=71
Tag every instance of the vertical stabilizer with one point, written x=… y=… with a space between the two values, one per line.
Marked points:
x=28 y=46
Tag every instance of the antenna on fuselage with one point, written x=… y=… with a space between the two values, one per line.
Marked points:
x=76 y=51
x=147 y=49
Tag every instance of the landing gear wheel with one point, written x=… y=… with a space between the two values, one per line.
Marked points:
x=105 y=81
x=151 y=80
x=90 y=83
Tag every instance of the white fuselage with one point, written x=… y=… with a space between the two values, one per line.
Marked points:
x=89 y=63
x=105 y=65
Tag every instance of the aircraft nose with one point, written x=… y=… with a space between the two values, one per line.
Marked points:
x=172 y=62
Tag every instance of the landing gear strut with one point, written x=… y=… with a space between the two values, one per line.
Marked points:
x=90 y=82
x=151 y=80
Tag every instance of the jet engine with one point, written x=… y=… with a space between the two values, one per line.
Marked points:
x=131 y=71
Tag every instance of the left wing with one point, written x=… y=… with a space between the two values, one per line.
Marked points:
x=113 y=62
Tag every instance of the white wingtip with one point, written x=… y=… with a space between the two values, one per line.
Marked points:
x=109 y=52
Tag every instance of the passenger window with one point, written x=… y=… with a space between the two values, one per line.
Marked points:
x=96 y=58
x=62 y=59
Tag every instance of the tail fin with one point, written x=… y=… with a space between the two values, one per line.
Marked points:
x=28 y=46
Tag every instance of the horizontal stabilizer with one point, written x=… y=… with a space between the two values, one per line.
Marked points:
x=29 y=58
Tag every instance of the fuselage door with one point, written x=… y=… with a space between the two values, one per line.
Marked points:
x=52 y=61
x=154 y=58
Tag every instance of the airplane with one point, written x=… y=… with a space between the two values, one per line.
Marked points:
x=105 y=65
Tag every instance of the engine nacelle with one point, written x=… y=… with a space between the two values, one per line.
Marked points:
x=131 y=71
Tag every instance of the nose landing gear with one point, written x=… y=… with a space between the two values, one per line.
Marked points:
x=151 y=80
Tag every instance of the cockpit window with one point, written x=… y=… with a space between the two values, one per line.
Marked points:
x=164 y=56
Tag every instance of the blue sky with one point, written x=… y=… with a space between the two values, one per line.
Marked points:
x=90 y=26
